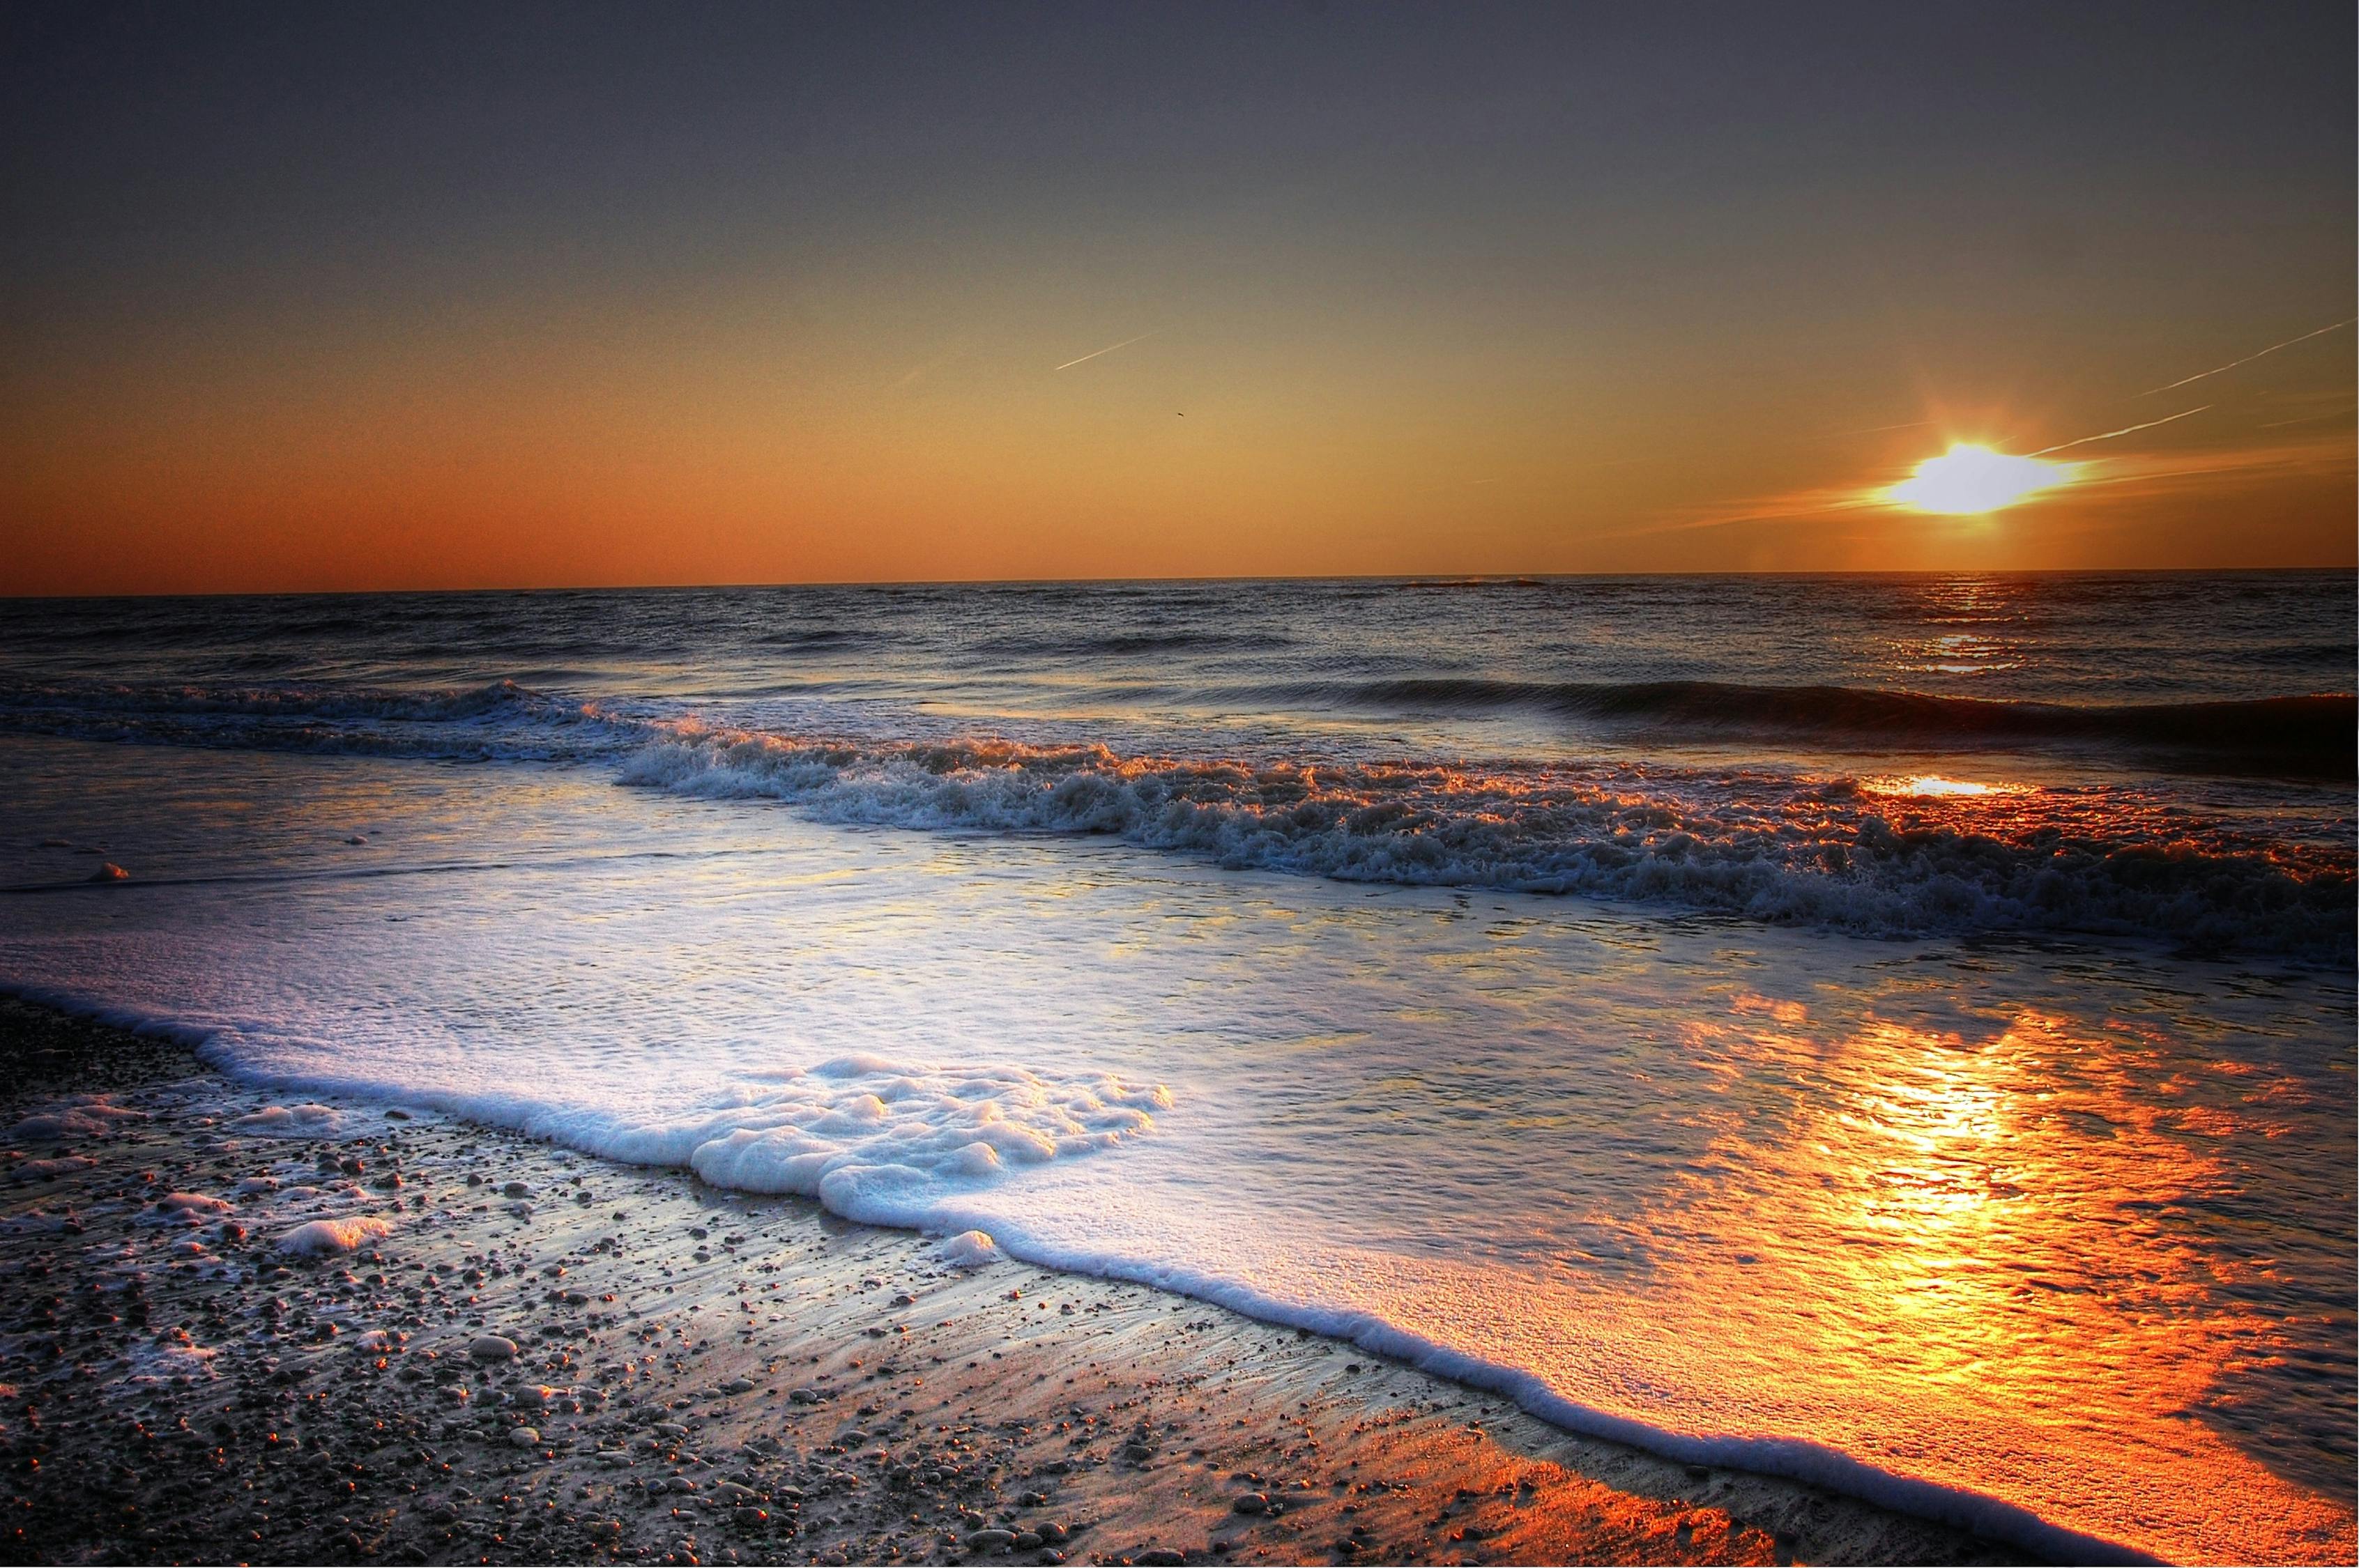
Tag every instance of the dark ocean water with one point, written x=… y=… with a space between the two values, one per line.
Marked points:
x=2166 y=757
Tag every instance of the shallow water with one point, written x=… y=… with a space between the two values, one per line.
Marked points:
x=1876 y=1176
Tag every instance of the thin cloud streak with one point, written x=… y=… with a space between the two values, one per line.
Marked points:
x=1111 y=348
x=2248 y=359
x=2124 y=430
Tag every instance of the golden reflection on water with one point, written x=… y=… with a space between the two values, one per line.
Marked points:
x=1933 y=787
x=2002 y=1222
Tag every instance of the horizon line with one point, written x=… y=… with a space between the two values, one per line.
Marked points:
x=1438 y=580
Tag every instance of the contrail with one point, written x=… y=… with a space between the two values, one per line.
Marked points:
x=2248 y=359
x=1875 y=429
x=2124 y=430
x=1111 y=348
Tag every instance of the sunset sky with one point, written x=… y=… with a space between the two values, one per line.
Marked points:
x=351 y=296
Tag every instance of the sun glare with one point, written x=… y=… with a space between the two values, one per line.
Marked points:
x=1933 y=787
x=1967 y=481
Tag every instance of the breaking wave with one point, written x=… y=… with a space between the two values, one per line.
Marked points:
x=1757 y=845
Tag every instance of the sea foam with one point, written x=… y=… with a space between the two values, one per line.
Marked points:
x=875 y=1141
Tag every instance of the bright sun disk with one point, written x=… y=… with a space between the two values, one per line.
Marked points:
x=1969 y=480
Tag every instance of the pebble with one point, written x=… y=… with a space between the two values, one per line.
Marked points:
x=493 y=1347
x=1251 y=1503
x=525 y=1437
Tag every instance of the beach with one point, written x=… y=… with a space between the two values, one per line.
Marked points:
x=502 y=1351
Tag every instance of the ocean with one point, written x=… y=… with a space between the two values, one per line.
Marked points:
x=1892 y=1030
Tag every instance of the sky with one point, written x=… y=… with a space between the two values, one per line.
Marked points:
x=371 y=296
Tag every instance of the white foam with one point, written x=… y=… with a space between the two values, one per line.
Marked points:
x=187 y=1209
x=322 y=1237
x=876 y=1141
x=968 y=1249
x=169 y=1361
x=33 y=1221
x=84 y=1116
x=42 y=1170
x=309 y=1120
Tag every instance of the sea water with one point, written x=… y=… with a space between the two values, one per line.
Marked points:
x=1894 y=1032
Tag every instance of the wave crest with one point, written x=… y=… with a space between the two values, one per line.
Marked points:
x=1760 y=846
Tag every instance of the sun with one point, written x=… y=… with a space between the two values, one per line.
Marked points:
x=1967 y=481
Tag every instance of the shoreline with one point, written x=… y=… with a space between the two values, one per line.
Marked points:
x=506 y=1351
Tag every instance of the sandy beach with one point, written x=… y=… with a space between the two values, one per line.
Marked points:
x=248 y=1327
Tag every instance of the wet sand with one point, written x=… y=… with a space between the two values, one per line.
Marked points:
x=505 y=1352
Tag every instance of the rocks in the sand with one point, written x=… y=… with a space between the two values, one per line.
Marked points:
x=493 y=1347
x=525 y=1437
x=1160 y=1557
x=1250 y=1503
x=990 y=1540
x=322 y=1237
x=804 y=1396
x=516 y=1190
x=110 y=872
x=738 y=1386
